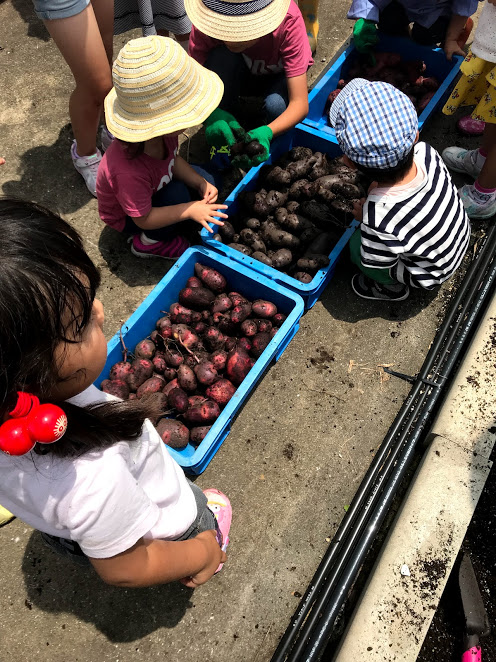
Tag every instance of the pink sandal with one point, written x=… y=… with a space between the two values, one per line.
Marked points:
x=220 y=506
x=470 y=127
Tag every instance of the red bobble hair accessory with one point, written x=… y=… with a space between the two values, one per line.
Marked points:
x=31 y=422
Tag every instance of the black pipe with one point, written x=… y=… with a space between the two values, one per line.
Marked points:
x=335 y=599
x=376 y=474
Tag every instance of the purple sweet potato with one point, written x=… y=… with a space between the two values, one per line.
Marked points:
x=196 y=298
x=202 y=414
x=249 y=328
x=186 y=336
x=221 y=304
x=142 y=369
x=145 y=349
x=219 y=359
x=171 y=385
x=173 y=357
x=117 y=387
x=240 y=312
x=214 y=280
x=238 y=365
x=259 y=343
x=236 y=298
x=178 y=400
x=120 y=370
x=180 y=314
x=198 y=434
x=173 y=433
x=205 y=373
x=279 y=319
x=152 y=385
x=159 y=363
x=186 y=378
x=263 y=308
x=222 y=391
x=193 y=281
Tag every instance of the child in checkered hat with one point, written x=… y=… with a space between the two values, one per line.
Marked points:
x=414 y=229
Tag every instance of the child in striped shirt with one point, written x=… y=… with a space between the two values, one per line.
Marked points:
x=414 y=229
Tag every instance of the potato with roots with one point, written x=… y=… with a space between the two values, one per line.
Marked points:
x=173 y=433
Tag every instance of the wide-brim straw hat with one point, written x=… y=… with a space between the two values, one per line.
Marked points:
x=236 y=20
x=158 y=89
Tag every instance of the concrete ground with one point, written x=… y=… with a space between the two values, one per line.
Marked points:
x=295 y=454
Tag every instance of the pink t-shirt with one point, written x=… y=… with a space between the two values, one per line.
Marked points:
x=286 y=49
x=124 y=186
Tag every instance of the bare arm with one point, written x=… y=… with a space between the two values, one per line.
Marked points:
x=151 y=562
x=450 y=46
x=297 y=107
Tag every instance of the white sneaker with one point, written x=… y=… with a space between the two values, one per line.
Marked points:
x=106 y=138
x=87 y=166
x=477 y=205
x=467 y=161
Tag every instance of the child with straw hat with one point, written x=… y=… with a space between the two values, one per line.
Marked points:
x=143 y=186
x=259 y=48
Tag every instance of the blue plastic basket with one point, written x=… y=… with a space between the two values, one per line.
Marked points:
x=310 y=292
x=436 y=65
x=240 y=279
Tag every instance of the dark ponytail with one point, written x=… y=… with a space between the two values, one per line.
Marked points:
x=46 y=274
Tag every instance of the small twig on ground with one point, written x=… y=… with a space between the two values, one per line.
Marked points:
x=321 y=390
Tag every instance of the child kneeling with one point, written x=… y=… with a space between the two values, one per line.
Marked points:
x=414 y=229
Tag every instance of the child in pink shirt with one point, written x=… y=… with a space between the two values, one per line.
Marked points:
x=261 y=50
x=143 y=186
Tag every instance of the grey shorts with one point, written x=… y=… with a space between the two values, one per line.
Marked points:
x=48 y=10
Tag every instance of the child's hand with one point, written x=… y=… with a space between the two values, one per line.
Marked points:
x=358 y=209
x=205 y=213
x=208 y=191
x=215 y=557
x=451 y=47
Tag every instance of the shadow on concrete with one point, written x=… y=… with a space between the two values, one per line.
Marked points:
x=351 y=308
x=54 y=584
x=48 y=177
x=35 y=26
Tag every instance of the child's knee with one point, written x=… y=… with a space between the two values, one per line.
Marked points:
x=275 y=104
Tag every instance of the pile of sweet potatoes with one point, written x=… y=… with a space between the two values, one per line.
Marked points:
x=294 y=218
x=199 y=353
x=407 y=76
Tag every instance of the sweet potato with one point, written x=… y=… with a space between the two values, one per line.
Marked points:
x=227 y=231
x=262 y=257
x=279 y=319
x=296 y=188
x=196 y=298
x=186 y=378
x=238 y=365
x=120 y=370
x=193 y=281
x=164 y=327
x=276 y=199
x=173 y=433
x=202 y=414
x=179 y=314
x=299 y=169
x=320 y=167
x=295 y=223
x=211 y=278
x=221 y=392
x=265 y=309
x=178 y=400
x=292 y=206
x=278 y=176
x=240 y=312
x=198 y=434
x=299 y=153
x=312 y=262
x=253 y=224
x=142 y=369
x=249 y=328
x=281 y=258
x=259 y=343
x=152 y=385
x=117 y=387
x=205 y=372
x=145 y=349
x=282 y=239
x=236 y=298
x=173 y=357
x=241 y=248
x=219 y=359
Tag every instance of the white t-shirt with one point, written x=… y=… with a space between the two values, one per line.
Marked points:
x=105 y=500
x=484 y=44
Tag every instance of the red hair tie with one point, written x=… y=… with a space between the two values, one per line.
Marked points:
x=31 y=422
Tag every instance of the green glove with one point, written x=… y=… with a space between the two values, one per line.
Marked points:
x=221 y=129
x=365 y=35
x=264 y=136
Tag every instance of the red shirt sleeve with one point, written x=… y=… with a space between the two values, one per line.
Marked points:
x=294 y=47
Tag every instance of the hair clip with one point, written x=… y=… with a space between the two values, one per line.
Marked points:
x=31 y=422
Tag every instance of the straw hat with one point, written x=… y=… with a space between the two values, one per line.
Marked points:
x=236 y=20
x=158 y=89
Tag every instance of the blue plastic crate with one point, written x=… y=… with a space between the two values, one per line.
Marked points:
x=436 y=65
x=240 y=279
x=310 y=292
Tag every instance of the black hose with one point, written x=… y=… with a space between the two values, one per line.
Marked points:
x=388 y=455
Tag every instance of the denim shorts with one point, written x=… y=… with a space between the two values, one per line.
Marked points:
x=47 y=10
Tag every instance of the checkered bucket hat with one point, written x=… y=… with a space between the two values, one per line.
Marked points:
x=158 y=89
x=376 y=124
